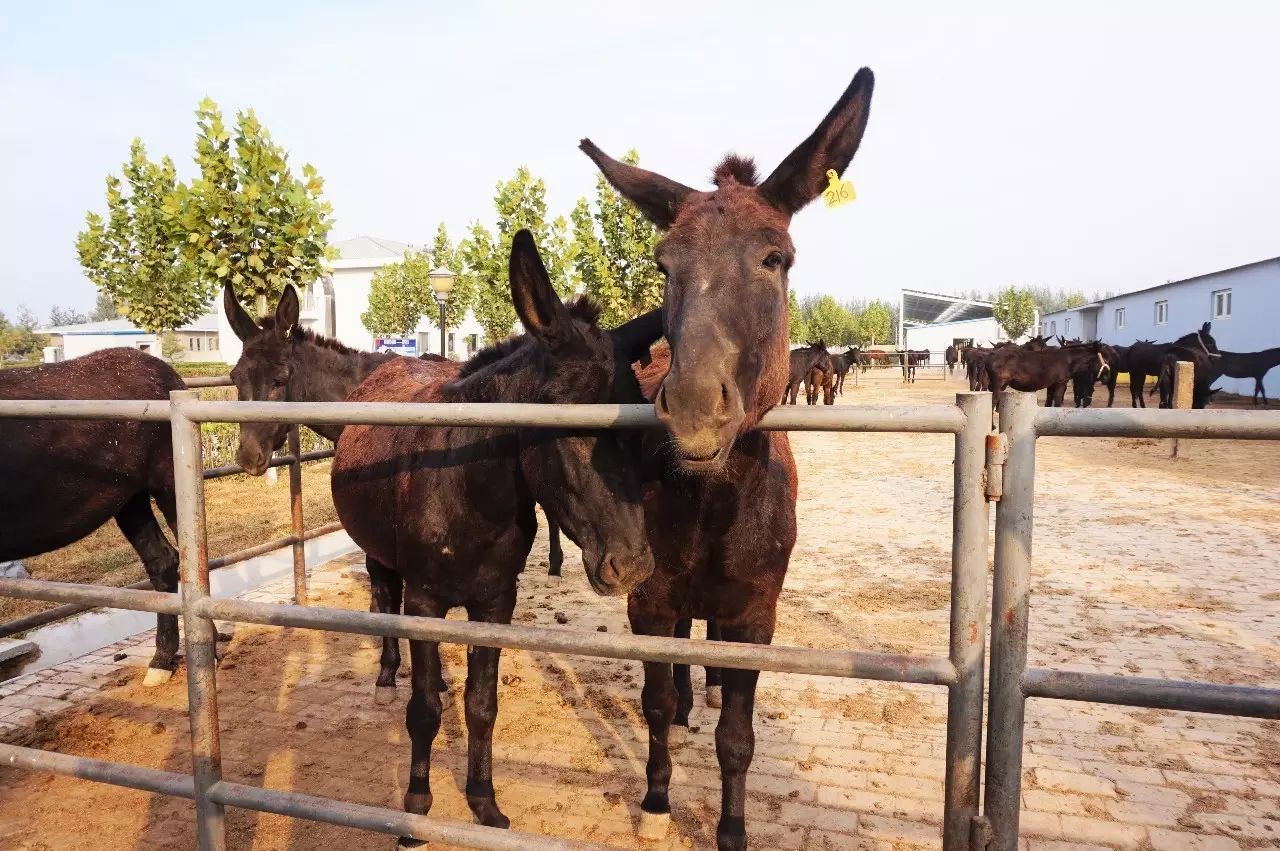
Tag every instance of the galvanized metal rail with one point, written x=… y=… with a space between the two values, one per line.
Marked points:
x=961 y=672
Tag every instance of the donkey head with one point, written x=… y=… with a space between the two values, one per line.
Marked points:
x=263 y=372
x=585 y=480
x=726 y=255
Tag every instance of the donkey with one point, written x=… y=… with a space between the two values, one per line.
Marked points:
x=842 y=363
x=721 y=512
x=950 y=357
x=452 y=509
x=1145 y=358
x=62 y=479
x=1253 y=365
x=801 y=365
x=1049 y=369
x=1205 y=371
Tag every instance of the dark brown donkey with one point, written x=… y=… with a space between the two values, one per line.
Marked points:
x=1050 y=370
x=721 y=515
x=451 y=510
x=62 y=479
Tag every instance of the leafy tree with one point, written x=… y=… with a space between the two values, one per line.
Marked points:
x=133 y=255
x=1015 y=311
x=612 y=254
x=829 y=322
x=520 y=203
x=874 y=324
x=445 y=256
x=19 y=340
x=170 y=346
x=66 y=316
x=247 y=220
x=1072 y=300
x=103 y=309
x=399 y=296
x=797 y=328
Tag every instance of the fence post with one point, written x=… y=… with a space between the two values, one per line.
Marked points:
x=295 y=512
x=968 y=622
x=1184 y=379
x=199 y=633
x=1009 y=611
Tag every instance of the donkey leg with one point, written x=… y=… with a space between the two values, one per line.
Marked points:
x=715 y=694
x=684 y=688
x=161 y=562
x=422 y=715
x=659 y=702
x=556 y=554
x=735 y=742
x=481 y=701
x=386 y=593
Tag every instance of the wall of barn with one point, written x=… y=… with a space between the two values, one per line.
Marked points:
x=1251 y=326
x=936 y=338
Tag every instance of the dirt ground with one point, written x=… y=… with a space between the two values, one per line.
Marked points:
x=1144 y=565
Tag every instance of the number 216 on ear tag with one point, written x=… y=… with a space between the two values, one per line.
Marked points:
x=838 y=191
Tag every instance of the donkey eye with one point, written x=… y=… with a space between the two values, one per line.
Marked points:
x=774 y=261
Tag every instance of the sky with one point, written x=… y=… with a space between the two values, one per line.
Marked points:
x=1083 y=145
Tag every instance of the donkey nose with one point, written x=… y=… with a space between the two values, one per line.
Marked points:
x=621 y=574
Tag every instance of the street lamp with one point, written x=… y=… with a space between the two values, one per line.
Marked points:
x=441 y=281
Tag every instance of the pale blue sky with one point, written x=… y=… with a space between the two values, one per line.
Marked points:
x=1084 y=145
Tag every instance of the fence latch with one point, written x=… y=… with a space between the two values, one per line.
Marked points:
x=979 y=832
x=997 y=454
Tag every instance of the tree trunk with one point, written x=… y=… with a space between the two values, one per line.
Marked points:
x=262 y=305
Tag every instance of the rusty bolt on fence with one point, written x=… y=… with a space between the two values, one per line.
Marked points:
x=997 y=454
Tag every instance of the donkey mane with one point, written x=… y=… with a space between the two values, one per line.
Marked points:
x=736 y=168
x=300 y=335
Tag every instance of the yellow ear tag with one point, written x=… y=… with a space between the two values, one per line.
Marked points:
x=838 y=191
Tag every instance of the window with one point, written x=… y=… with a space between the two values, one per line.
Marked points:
x=1162 y=312
x=1066 y=326
x=1119 y=317
x=309 y=298
x=1053 y=328
x=191 y=344
x=1222 y=304
x=213 y=342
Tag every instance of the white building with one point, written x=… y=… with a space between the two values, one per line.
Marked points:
x=1241 y=302
x=934 y=321
x=332 y=306
x=199 y=340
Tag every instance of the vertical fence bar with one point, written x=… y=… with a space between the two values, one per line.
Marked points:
x=199 y=634
x=295 y=513
x=1009 y=613
x=968 y=622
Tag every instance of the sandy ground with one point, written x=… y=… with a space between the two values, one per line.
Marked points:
x=1144 y=565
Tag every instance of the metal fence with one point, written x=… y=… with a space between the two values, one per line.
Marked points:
x=979 y=474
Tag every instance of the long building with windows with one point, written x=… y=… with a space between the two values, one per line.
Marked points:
x=1242 y=303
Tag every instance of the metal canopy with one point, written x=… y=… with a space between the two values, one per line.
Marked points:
x=924 y=308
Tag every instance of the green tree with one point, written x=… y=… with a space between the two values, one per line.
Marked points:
x=797 y=328
x=874 y=324
x=133 y=255
x=612 y=252
x=829 y=322
x=520 y=203
x=103 y=309
x=19 y=340
x=399 y=296
x=1015 y=311
x=65 y=316
x=1076 y=299
x=246 y=220
x=170 y=346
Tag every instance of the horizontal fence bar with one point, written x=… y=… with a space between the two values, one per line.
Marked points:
x=141 y=410
x=57 y=613
x=271 y=546
x=276 y=461
x=1154 y=422
x=92 y=596
x=100 y=771
x=935 y=418
x=196 y=382
x=897 y=667
x=382 y=820
x=1246 y=701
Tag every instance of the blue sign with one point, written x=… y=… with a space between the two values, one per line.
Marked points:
x=398 y=345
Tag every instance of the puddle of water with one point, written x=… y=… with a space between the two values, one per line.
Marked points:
x=85 y=633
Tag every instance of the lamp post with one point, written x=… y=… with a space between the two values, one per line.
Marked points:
x=441 y=281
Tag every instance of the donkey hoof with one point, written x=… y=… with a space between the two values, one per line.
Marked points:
x=715 y=697
x=677 y=734
x=157 y=677
x=382 y=695
x=654 y=826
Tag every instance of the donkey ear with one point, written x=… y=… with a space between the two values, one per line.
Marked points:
x=540 y=309
x=1204 y=329
x=802 y=175
x=633 y=339
x=241 y=323
x=287 y=310
x=655 y=196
